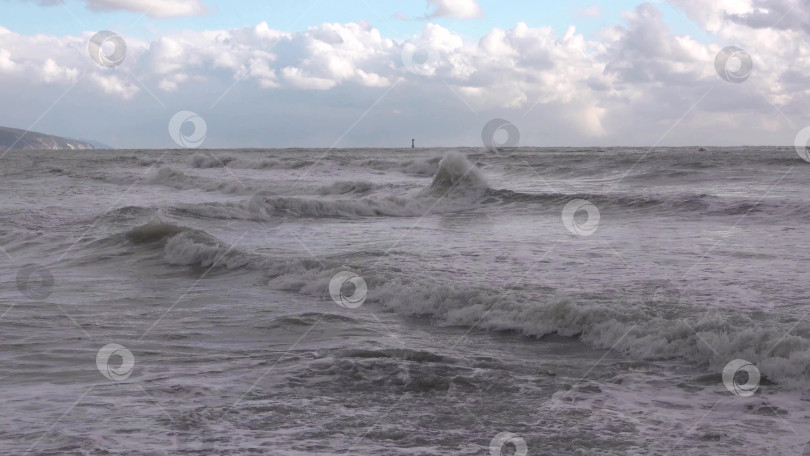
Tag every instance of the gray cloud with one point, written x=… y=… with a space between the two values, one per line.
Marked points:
x=777 y=14
x=152 y=8
x=457 y=9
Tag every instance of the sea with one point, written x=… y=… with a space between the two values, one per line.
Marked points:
x=435 y=301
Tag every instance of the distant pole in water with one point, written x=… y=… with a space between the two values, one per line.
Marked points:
x=413 y=143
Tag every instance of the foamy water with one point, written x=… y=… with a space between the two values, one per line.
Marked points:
x=577 y=301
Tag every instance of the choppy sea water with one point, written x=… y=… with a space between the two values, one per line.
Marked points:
x=405 y=302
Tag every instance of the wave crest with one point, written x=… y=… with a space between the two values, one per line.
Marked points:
x=457 y=174
x=634 y=327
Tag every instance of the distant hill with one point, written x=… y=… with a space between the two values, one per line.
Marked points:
x=17 y=139
x=96 y=144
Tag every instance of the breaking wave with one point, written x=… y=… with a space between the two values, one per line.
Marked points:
x=190 y=247
x=200 y=160
x=456 y=186
x=417 y=167
x=344 y=187
x=456 y=174
x=677 y=331
x=632 y=327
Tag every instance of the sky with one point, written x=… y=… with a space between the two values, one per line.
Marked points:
x=376 y=73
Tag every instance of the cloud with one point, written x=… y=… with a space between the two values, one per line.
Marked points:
x=712 y=14
x=299 y=80
x=53 y=72
x=591 y=11
x=644 y=52
x=633 y=83
x=171 y=83
x=152 y=8
x=457 y=9
x=6 y=64
x=776 y=14
x=115 y=85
